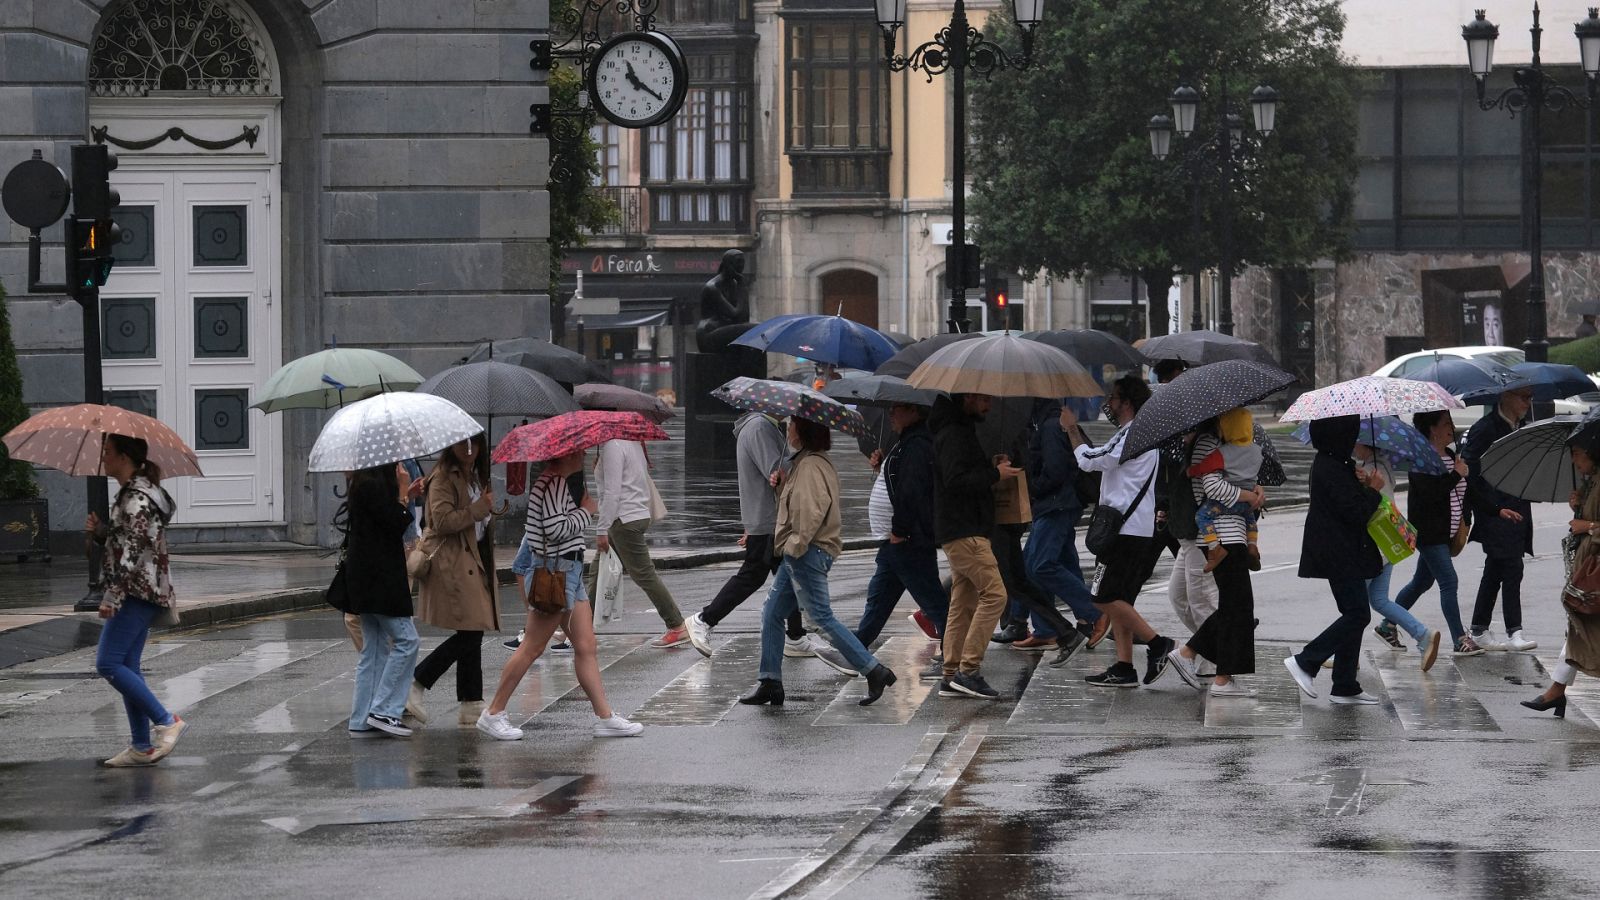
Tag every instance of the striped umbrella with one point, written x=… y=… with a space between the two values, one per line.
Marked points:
x=69 y=438
x=1004 y=365
x=782 y=398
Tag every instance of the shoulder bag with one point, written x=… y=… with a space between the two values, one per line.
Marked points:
x=1107 y=522
x=338 y=594
x=547 y=587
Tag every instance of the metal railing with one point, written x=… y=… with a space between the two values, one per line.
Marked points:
x=630 y=201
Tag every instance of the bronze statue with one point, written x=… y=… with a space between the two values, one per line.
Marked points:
x=724 y=306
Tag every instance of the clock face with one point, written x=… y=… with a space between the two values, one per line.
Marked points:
x=638 y=79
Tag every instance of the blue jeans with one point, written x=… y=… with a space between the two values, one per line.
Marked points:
x=1434 y=564
x=1378 y=599
x=1052 y=561
x=383 y=676
x=117 y=661
x=802 y=582
x=901 y=568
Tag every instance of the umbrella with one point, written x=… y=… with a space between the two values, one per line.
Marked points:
x=540 y=355
x=1204 y=347
x=878 y=390
x=1533 y=462
x=556 y=437
x=389 y=428
x=1400 y=445
x=1198 y=395
x=1550 y=381
x=1090 y=347
x=1466 y=376
x=833 y=340
x=69 y=438
x=781 y=398
x=622 y=399
x=494 y=388
x=905 y=362
x=1369 y=395
x=334 y=377
x=1004 y=365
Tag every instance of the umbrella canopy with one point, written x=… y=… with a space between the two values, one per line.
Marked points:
x=334 y=377
x=569 y=432
x=833 y=340
x=879 y=390
x=905 y=362
x=1399 y=444
x=541 y=356
x=1462 y=377
x=1550 y=381
x=493 y=388
x=69 y=438
x=781 y=398
x=1204 y=347
x=389 y=428
x=1180 y=405
x=1370 y=395
x=622 y=399
x=1533 y=462
x=1090 y=347
x=1004 y=365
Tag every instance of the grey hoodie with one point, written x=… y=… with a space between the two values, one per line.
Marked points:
x=760 y=448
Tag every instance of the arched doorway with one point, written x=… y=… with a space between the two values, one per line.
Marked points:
x=185 y=93
x=853 y=294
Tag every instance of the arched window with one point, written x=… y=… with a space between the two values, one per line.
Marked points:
x=204 y=46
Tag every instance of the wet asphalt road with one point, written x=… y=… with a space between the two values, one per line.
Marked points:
x=1447 y=789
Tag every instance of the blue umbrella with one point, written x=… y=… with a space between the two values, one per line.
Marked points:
x=1550 y=381
x=1401 y=446
x=833 y=340
x=1466 y=376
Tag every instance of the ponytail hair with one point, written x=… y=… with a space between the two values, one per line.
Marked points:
x=137 y=450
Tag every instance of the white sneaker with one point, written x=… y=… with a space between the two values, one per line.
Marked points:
x=616 y=726
x=802 y=646
x=1185 y=669
x=1300 y=677
x=166 y=736
x=414 y=701
x=1515 y=641
x=1361 y=699
x=1232 y=689
x=699 y=633
x=1489 y=640
x=498 y=727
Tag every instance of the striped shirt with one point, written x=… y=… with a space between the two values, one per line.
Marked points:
x=1214 y=485
x=1458 y=493
x=553 y=517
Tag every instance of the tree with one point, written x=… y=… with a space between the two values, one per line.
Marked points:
x=16 y=476
x=1064 y=180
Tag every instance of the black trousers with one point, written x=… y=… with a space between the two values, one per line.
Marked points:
x=1502 y=575
x=464 y=650
x=1007 y=544
x=759 y=563
x=1342 y=639
x=1227 y=636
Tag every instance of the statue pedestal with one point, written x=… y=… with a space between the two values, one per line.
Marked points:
x=708 y=422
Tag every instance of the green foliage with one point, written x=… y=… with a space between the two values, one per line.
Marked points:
x=1063 y=176
x=1583 y=353
x=16 y=476
x=577 y=206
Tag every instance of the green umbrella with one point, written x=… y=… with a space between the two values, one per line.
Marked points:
x=334 y=377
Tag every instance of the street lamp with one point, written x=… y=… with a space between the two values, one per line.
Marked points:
x=955 y=49
x=1216 y=152
x=1533 y=91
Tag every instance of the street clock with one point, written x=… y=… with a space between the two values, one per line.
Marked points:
x=638 y=79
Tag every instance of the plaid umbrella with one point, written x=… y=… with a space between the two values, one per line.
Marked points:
x=833 y=340
x=1533 y=462
x=781 y=398
x=1204 y=347
x=493 y=388
x=1004 y=365
x=389 y=428
x=1398 y=443
x=69 y=438
x=622 y=399
x=334 y=377
x=1198 y=395
x=1367 y=396
x=556 y=437
x=902 y=364
x=1090 y=347
x=553 y=360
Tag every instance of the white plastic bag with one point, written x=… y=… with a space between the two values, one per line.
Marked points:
x=608 y=587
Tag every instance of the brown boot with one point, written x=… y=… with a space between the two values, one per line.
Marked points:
x=1255 y=558
x=1214 y=557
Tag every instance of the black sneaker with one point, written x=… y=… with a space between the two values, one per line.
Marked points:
x=1156 y=659
x=946 y=689
x=1067 y=646
x=1390 y=635
x=513 y=643
x=388 y=725
x=1118 y=676
x=1010 y=634
x=974 y=686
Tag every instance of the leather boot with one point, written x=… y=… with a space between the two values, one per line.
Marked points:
x=768 y=690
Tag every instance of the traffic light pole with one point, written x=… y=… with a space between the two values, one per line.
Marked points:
x=93 y=392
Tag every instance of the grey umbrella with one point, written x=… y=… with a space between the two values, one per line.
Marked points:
x=1533 y=462
x=541 y=356
x=493 y=388
x=622 y=399
x=905 y=362
x=879 y=390
x=1090 y=347
x=1203 y=347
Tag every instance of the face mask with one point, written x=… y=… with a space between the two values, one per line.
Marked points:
x=1106 y=411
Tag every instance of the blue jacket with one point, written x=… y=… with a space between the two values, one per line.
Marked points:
x=1051 y=466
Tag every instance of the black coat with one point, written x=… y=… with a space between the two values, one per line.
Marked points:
x=1501 y=538
x=375 y=553
x=964 y=477
x=1336 y=544
x=1051 y=466
x=1428 y=505
x=908 y=474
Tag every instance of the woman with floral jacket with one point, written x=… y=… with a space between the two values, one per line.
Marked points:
x=136 y=590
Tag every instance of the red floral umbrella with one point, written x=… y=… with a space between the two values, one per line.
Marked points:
x=559 y=435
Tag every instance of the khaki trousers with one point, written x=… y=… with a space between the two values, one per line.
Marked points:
x=628 y=539
x=977 y=598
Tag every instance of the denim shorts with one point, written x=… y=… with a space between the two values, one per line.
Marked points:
x=526 y=560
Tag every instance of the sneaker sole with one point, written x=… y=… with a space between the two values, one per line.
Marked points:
x=1351 y=701
x=362 y=734
x=928 y=631
x=952 y=692
x=790 y=653
x=497 y=737
x=618 y=734
x=978 y=694
x=1431 y=654
x=1034 y=648
x=1112 y=684
x=396 y=731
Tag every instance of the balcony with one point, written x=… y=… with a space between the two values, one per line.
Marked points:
x=840 y=173
x=630 y=201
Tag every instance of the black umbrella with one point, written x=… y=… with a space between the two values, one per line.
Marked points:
x=494 y=388
x=622 y=399
x=1197 y=395
x=541 y=356
x=1478 y=375
x=1533 y=462
x=902 y=364
x=879 y=390
x=1204 y=347
x=1090 y=347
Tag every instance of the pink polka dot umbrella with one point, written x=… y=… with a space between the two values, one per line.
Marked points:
x=69 y=438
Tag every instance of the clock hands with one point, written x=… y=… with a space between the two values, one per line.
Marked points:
x=633 y=79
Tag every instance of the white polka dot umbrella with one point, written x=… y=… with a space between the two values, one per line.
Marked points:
x=389 y=428
x=68 y=438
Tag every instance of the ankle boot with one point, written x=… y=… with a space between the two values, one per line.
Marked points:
x=768 y=690
x=879 y=678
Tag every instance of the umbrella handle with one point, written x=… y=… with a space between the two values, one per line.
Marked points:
x=338 y=494
x=505 y=507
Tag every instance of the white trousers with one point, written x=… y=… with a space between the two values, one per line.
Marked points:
x=1191 y=590
x=1563 y=672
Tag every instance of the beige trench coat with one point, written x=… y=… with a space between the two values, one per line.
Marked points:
x=458 y=593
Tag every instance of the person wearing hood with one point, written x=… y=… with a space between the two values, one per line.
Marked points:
x=1051 y=555
x=963 y=483
x=1336 y=547
x=1502 y=524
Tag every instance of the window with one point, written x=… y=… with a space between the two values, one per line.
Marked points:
x=838 y=111
x=608 y=155
x=697 y=166
x=714 y=11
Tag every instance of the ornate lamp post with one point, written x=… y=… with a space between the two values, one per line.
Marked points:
x=1215 y=153
x=955 y=49
x=1533 y=91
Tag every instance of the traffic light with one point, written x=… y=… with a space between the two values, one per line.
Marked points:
x=91 y=235
x=997 y=296
x=92 y=194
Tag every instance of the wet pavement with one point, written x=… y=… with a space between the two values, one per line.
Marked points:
x=1448 y=788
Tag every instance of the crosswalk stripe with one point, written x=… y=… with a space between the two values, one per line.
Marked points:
x=1436 y=701
x=906 y=655
x=1275 y=706
x=517 y=805
x=708 y=690
x=553 y=677
x=1062 y=697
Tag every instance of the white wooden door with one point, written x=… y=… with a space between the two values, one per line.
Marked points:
x=189 y=334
